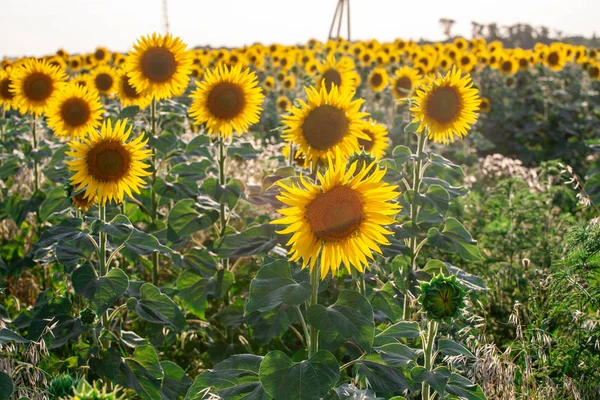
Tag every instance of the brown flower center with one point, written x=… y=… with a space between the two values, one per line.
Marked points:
x=443 y=104
x=332 y=77
x=38 y=86
x=523 y=63
x=403 y=86
x=325 y=126
x=335 y=215
x=75 y=112
x=5 y=92
x=108 y=161
x=506 y=66
x=226 y=100
x=376 y=79
x=553 y=58
x=366 y=144
x=104 y=82
x=465 y=60
x=158 y=64
x=128 y=89
x=99 y=55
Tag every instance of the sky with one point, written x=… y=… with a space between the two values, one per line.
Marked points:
x=40 y=27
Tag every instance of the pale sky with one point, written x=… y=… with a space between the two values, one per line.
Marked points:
x=40 y=27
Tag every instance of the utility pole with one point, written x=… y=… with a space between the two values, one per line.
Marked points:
x=165 y=15
x=338 y=17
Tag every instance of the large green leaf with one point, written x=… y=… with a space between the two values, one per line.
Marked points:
x=156 y=307
x=7 y=336
x=6 y=386
x=397 y=354
x=120 y=231
x=175 y=383
x=102 y=291
x=351 y=316
x=274 y=285
x=451 y=348
x=307 y=380
x=185 y=220
x=56 y=202
x=229 y=194
x=455 y=239
x=9 y=168
x=257 y=240
x=233 y=379
x=194 y=289
x=437 y=378
x=464 y=388
x=382 y=379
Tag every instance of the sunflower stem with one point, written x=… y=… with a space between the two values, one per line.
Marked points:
x=222 y=182
x=36 y=178
x=414 y=212
x=304 y=327
x=314 y=333
x=155 y=255
x=428 y=349
x=102 y=261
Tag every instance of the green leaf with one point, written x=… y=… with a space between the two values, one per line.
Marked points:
x=454 y=191
x=67 y=229
x=102 y=291
x=243 y=150
x=464 y=388
x=236 y=378
x=56 y=202
x=175 y=383
x=351 y=316
x=401 y=155
x=451 y=348
x=184 y=220
x=197 y=260
x=129 y=112
x=440 y=161
x=9 y=168
x=381 y=378
x=257 y=240
x=120 y=231
x=307 y=380
x=6 y=386
x=166 y=142
x=437 y=378
x=397 y=354
x=455 y=239
x=198 y=142
x=157 y=308
x=194 y=289
x=7 y=336
x=227 y=195
x=403 y=329
x=274 y=285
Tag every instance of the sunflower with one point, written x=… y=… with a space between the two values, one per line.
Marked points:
x=312 y=67
x=289 y=82
x=57 y=61
x=461 y=43
x=106 y=166
x=34 y=84
x=378 y=79
x=329 y=122
x=127 y=93
x=447 y=106
x=338 y=73
x=104 y=79
x=555 y=58
x=269 y=82
x=82 y=80
x=7 y=97
x=74 y=111
x=227 y=99
x=508 y=66
x=593 y=71
x=466 y=61
x=405 y=82
x=444 y=63
x=485 y=106
x=343 y=217
x=83 y=203
x=299 y=157
x=378 y=139
x=101 y=55
x=283 y=103
x=75 y=63
x=159 y=65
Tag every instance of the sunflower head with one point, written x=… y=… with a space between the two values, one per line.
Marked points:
x=128 y=94
x=447 y=106
x=74 y=111
x=377 y=143
x=405 y=82
x=378 y=79
x=485 y=106
x=330 y=122
x=442 y=298
x=7 y=97
x=227 y=100
x=159 y=66
x=34 y=83
x=83 y=203
x=342 y=217
x=104 y=79
x=283 y=103
x=335 y=73
x=106 y=165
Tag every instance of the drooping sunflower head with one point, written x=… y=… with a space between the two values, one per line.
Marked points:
x=283 y=103
x=104 y=79
x=378 y=79
x=342 y=217
x=74 y=111
x=330 y=122
x=335 y=73
x=127 y=93
x=106 y=165
x=34 y=83
x=447 y=106
x=227 y=100
x=442 y=298
x=405 y=82
x=159 y=65
x=83 y=203
x=7 y=97
x=378 y=139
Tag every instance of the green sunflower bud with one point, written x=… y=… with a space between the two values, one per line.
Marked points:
x=442 y=298
x=61 y=385
x=363 y=159
x=88 y=316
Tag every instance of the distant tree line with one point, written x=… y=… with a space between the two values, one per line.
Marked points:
x=518 y=35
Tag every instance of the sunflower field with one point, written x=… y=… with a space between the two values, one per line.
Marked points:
x=333 y=220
